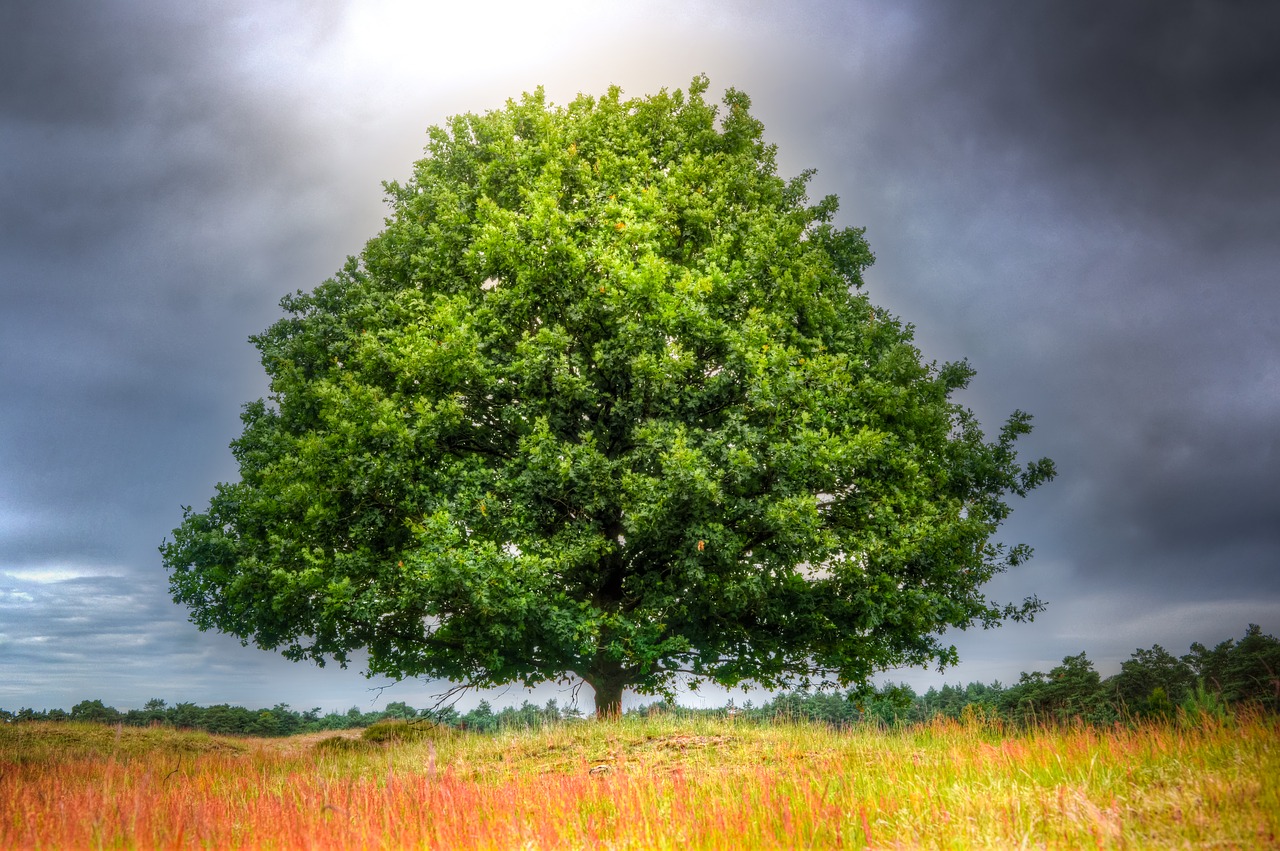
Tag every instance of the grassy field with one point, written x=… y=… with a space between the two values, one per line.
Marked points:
x=654 y=783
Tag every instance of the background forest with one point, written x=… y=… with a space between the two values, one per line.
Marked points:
x=1152 y=683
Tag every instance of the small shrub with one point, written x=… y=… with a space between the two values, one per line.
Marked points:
x=400 y=730
x=1158 y=705
x=342 y=744
x=1203 y=706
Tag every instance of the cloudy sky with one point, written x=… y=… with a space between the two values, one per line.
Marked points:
x=1082 y=198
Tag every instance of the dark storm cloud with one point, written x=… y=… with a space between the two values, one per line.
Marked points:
x=154 y=205
x=144 y=162
x=1089 y=193
x=1164 y=119
x=145 y=134
x=65 y=62
x=112 y=637
x=92 y=100
x=82 y=626
x=1149 y=104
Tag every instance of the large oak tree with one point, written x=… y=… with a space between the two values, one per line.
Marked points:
x=605 y=399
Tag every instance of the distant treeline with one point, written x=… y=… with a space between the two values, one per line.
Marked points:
x=1151 y=684
x=281 y=720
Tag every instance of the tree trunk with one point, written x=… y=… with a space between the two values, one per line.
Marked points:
x=608 y=700
x=608 y=697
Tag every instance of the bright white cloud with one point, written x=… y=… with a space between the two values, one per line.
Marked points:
x=57 y=573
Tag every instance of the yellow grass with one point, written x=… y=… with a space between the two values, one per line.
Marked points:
x=653 y=783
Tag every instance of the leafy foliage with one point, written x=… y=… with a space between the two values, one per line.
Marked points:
x=1240 y=671
x=604 y=398
x=1153 y=681
x=1070 y=690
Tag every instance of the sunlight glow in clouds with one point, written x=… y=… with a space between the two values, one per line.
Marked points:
x=438 y=47
x=56 y=573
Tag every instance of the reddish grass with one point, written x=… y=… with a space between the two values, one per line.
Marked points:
x=656 y=784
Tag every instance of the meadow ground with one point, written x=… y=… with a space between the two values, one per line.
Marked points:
x=649 y=783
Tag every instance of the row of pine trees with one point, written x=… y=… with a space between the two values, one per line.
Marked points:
x=1151 y=683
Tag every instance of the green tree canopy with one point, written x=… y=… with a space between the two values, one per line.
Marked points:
x=1070 y=690
x=1148 y=670
x=1240 y=671
x=605 y=399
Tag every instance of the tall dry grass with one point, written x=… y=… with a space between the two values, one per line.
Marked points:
x=653 y=783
